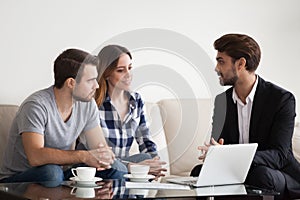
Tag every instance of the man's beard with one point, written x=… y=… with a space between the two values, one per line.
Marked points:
x=83 y=99
x=231 y=81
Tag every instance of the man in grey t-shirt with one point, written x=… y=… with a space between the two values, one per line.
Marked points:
x=43 y=134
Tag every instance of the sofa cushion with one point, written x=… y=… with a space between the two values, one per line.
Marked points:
x=186 y=124
x=7 y=114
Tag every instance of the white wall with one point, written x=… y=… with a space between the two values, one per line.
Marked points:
x=34 y=32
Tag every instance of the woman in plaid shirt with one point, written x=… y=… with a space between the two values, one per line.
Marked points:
x=122 y=112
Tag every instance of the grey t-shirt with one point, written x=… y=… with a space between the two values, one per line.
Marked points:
x=38 y=113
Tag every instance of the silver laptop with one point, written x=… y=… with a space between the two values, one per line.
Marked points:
x=223 y=165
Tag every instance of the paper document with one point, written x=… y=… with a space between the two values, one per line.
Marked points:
x=152 y=185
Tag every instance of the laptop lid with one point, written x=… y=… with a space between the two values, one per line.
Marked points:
x=226 y=164
x=223 y=165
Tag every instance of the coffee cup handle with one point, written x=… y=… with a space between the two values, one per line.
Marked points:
x=73 y=191
x=73 y=172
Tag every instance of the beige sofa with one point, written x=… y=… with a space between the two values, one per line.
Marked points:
x=177 y=127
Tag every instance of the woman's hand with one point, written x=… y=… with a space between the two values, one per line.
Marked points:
x=156 y=168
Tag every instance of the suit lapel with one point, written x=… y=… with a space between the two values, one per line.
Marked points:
x=257 y=109
x=232 y=115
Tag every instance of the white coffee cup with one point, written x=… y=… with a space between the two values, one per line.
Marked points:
x=83 y=192
x=84 y=173
x=139 y=171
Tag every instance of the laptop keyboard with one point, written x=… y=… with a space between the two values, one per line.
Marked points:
x=190 y=182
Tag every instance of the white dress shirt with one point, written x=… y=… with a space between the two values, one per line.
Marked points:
x=244 y=113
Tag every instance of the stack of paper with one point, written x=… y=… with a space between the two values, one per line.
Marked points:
x=157 y=186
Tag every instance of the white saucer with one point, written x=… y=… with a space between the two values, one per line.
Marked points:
x=95 y=186
x=90 y=183
x=138 y=179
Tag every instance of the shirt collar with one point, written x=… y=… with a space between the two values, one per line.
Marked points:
x=250 y=97
x=132 y=101
x=131 y=96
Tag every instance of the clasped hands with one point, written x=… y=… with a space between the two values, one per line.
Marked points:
x=102 y=158
x=204 y=148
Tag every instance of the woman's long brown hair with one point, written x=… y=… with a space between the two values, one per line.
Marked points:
x=108 y=61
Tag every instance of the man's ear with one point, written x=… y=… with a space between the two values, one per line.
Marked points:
x=241 y=63
x=70 y=82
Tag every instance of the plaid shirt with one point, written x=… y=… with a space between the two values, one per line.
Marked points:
x=120 y=135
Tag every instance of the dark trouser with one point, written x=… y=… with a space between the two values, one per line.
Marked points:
x=53 y=175
x=260 y=176
x=265 y=177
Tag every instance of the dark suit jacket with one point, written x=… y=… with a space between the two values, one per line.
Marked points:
x=271 y=126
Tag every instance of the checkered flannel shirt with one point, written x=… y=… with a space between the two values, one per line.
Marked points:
x=120 y=135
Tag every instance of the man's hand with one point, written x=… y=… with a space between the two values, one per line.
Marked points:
x=204 y=149
x=101 y=158
x=105 y=191
x=156 y=168
x=214 y=142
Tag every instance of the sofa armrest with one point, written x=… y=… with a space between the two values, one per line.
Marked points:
x=296 y=141
x=7 y=114
x=186 y=124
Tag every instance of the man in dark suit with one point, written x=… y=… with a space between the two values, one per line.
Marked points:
x=254 y=111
